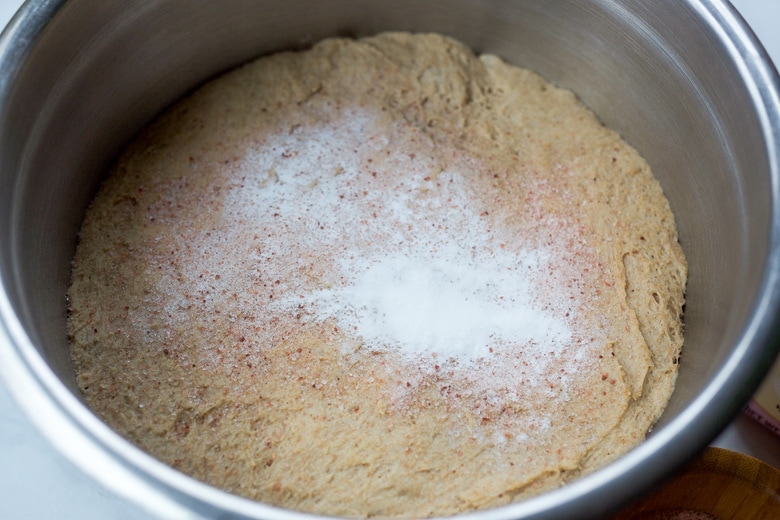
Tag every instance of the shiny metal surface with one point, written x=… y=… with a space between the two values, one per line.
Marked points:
x=684 y=82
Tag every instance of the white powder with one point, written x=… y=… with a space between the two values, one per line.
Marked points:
x=406 y=263
x=349 y=229
x=444 y=304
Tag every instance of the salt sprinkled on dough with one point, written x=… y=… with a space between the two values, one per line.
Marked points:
x=382 y=278
x=430 y=278
x=443 y=304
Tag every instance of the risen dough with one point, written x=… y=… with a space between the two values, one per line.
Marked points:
x=381 y=277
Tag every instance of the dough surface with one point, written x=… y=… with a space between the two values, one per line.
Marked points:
x=381 y=277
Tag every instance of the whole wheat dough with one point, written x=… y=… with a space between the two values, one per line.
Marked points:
x=382 y=277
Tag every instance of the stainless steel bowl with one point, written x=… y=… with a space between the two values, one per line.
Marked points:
x=684 y=81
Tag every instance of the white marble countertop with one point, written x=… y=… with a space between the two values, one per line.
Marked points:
x=36 y=482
